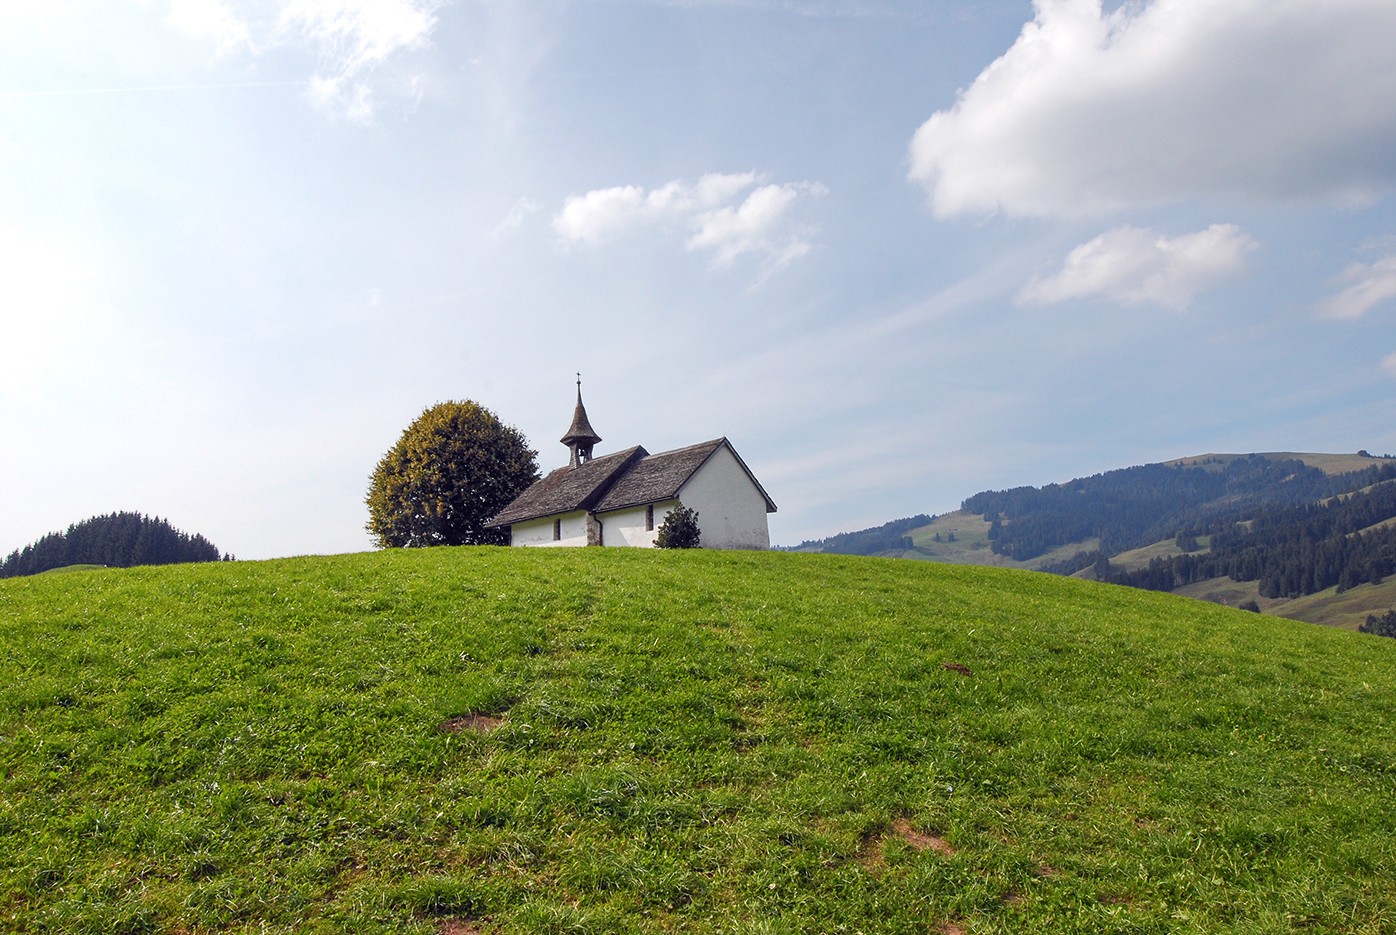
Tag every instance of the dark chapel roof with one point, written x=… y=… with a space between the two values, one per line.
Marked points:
x=575 y=487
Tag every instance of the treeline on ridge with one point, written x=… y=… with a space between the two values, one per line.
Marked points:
x=889 y=537
x=119 y=540
x=1136 y=506
x=1293 y=551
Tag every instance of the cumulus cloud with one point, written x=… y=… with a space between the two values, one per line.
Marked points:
x=1372 y=284
x=731 y=215
x=1389 y=364
x=1091 y=112
x=350 y=39
x=1136 y=266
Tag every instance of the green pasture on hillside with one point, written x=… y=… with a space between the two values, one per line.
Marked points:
x=481 y=740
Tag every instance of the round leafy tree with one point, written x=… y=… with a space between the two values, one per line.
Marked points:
x=679 y=529
x=453 y=469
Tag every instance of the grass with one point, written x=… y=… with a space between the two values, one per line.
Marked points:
x=1346 y=610
x=972 y=545
x=1327 y=463
x=1349 y=609
x=485 y=740
x=1134 y=559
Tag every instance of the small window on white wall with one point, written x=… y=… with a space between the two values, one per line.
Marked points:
x=649 y=518
x=557 y=530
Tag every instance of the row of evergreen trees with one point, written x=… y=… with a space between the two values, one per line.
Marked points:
x=1132 y=507
x=1293 y=551
x=119 y=540
x=889 y=537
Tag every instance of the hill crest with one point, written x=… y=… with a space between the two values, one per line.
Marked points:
x=627 y=741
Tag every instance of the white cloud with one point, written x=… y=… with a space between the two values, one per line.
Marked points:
x=1389 y=364
x=211 y=20
x=756 y=226
x=1090 y=112
x=1137 y=266
x=1372 y=284
x=350 y=39
x=518 y=213
x=600 y=213
x=713 y=209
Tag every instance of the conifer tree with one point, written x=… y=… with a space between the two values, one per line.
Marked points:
x=679 y=529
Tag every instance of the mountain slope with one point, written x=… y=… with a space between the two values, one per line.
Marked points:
x=1298 y=535
x=489 y=740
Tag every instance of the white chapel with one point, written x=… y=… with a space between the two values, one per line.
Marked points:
x=621 y=499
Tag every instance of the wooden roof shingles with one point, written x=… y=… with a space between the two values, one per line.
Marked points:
x=658 y=477
x=569 y=488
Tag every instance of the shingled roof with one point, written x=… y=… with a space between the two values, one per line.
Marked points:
x=659 y=477
x=628 y=478
x=569 y=488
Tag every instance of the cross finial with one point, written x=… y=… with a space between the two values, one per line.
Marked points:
x=579 y=380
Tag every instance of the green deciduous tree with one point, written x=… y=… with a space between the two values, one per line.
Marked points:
x=453 y=469
x=679 y=529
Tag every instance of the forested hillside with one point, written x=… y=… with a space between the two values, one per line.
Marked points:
x=1135 y=506
x=889 y=537
x=118 y=540
x=1278 y=527
x=1293 y=551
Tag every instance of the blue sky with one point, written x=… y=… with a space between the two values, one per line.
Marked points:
x=897 y=252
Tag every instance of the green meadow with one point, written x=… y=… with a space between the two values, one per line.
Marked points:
x=480 y=740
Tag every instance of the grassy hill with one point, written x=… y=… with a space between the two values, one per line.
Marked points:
x=458 y=741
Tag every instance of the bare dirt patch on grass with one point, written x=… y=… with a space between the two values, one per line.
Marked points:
x=474 y=722
x=872 y=853
x=457 y=927
x=920 y=840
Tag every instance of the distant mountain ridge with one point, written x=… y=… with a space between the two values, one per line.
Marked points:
x=1305 y=535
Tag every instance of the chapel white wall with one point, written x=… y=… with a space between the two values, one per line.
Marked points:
x=731 y=510
x=627 y=527
x=539 y=532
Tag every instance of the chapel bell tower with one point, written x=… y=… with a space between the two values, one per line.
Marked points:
x=580 y=437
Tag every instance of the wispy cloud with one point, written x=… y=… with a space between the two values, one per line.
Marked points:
x=211 y=20
x=1134 y=266
x=1371 y=285
x=730 y=215
x=1091 y=112
x=349 y=39
x=514 y=219
x=352 y=39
